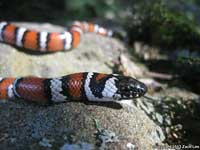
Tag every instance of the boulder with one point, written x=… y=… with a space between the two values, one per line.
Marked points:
x=72 y=125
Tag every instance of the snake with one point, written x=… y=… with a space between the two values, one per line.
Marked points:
x=88 y=86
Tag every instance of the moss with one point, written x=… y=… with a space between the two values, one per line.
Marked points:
x=163 y=26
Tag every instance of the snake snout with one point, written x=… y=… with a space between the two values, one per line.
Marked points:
x=139 y=88
x=131 y=88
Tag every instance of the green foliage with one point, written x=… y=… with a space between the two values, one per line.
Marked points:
x=161 y=24
x=176 y=30
x=189 y=60
x=170 y=24
x=83 y=9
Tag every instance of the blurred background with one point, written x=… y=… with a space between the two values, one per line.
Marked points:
x=171 y=24
x=170 y=27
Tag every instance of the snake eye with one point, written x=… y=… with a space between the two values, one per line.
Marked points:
x=140 y=89
x=129 y=87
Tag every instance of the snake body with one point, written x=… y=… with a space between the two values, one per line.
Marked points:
x=89 y=86
x=48 y=41
x=79 y=86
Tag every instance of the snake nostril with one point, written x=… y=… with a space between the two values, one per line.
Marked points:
x=143 y=89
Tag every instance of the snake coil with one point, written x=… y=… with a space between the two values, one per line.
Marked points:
x=79 y=86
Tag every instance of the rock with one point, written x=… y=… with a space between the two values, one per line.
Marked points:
x=30 y=123
x=148 y=52
x=78 y=146
x=45 y=143
x=93 y=54
x=130 y=68
x=176 y=111
x=70 y=123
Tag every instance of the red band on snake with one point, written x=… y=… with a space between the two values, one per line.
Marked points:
x=80 y=86
x=48 y=41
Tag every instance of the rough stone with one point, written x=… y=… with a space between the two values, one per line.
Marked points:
x=24 y=125
x=95 y=53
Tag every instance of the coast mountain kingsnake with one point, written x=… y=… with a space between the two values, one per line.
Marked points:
x=79 y=86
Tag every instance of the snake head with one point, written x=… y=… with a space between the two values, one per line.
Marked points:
x=129 y=87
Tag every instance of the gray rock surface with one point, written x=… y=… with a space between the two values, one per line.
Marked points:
x=174 y=105
x=93 y=54
x=26 y=125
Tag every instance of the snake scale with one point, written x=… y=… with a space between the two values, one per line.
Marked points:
x=89 y=86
